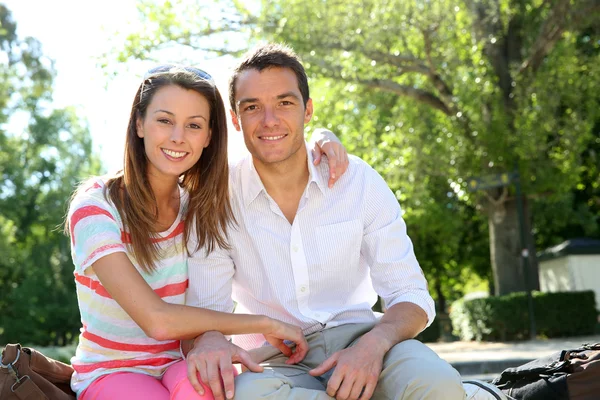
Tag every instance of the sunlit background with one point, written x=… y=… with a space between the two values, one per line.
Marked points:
x=75 y=34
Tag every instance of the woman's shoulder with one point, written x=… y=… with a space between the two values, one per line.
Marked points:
x=91 y=192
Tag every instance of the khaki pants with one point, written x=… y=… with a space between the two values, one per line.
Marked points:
x=411 y=371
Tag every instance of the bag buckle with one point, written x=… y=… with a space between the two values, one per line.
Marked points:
x=18 y=382
x=11 y=364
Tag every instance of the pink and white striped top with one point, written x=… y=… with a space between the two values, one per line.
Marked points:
x=110 y=340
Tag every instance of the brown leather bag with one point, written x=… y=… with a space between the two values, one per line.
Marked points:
x=27 y=374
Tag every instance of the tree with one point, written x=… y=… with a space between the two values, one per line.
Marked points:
x=39 y=168
x=580 y=208
x=476 y=87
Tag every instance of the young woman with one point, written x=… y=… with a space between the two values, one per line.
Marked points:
x=129 y=236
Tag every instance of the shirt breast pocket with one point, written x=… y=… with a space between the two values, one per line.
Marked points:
x=339 y=244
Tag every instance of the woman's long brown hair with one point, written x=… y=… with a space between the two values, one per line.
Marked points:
x=207 y=182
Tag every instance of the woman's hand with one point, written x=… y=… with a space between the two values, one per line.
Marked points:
x=280 y=331
x=325 y=142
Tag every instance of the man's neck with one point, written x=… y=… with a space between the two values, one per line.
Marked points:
x=285 y=182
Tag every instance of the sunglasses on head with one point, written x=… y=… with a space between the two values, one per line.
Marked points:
x=168 y=67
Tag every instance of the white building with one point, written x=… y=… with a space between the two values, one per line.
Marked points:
x=573 y=265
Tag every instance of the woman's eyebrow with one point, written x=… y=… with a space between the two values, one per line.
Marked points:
x=170 y=113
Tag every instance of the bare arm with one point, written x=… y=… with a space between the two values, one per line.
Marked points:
x=163 y=321
x=400 y=322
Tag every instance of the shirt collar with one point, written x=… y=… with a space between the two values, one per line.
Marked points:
x=252 y=184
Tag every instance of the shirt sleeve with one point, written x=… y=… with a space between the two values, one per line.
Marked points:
x=95 y=232
x=395 y=271
x=210 y=278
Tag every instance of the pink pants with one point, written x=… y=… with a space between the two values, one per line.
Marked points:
x=133 y=386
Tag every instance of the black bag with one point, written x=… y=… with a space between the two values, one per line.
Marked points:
x=567 y=375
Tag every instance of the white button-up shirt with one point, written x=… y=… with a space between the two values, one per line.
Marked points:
x=346 y=245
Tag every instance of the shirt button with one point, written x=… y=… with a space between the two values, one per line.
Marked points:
x=303 y=289
x=295 y=248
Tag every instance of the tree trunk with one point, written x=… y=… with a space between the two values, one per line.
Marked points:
x=505 y=248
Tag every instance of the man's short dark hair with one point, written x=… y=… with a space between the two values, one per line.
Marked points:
x=270 y=55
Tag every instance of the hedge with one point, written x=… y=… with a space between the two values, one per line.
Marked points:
x=503 y=318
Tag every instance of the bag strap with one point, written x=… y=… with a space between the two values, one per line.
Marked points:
x=486 y=389
x=25 y=389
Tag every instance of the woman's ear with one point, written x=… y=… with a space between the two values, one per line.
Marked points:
x=208 y=138
x=139 y=127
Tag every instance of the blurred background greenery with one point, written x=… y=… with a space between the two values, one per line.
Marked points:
x=430 y=93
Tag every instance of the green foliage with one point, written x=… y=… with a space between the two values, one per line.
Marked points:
x=64 y=353
x=503 y=318
x=39 y=168
x=430 y=94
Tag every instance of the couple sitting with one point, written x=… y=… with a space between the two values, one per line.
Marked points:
x=163 y=248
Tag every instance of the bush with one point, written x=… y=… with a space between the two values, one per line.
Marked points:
x=506 y=317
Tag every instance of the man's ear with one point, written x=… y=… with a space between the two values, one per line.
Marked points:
x=308 y=112
x=235 y=121
x=138 y=127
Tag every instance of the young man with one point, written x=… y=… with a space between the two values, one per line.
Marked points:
x=314 y=257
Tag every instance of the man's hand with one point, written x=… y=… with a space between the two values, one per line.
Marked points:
x=357 y=368
x=325 y=142
x=356 y=373
x=212 y=357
